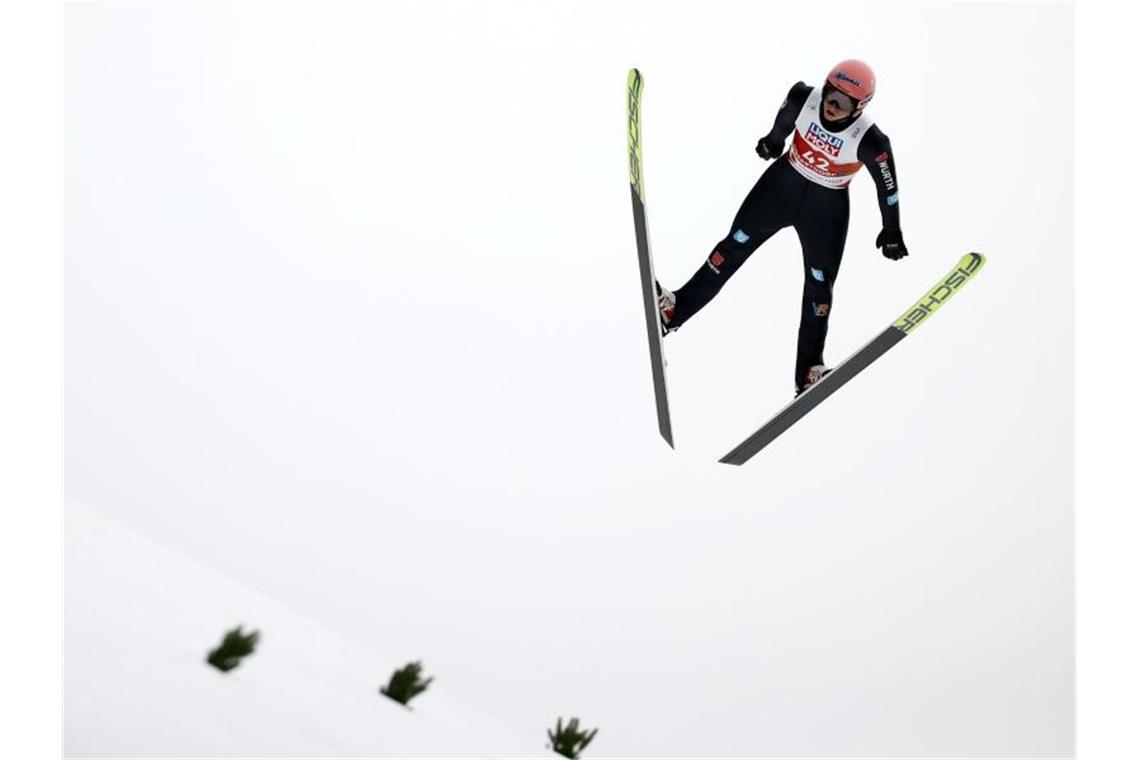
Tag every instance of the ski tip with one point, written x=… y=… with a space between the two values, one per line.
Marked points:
x=972 y=261
x=634 y=78
x=968 y=266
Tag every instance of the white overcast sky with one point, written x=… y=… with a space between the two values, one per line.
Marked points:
x=352 y=316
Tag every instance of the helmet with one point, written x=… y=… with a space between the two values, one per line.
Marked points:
x=853 y=78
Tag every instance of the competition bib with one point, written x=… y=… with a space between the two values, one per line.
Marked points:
x=826 y=158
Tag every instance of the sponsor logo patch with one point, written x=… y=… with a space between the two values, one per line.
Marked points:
x=823 y=141
x=821 y=309
x=715 y=261
x=892 y=199
x=817 y=274
x=885 y=171
x=740 y=236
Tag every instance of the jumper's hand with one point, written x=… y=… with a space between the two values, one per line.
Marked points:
x=769 y=148
x=891 y=241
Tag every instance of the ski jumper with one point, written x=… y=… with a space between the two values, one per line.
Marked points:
x=806 y=188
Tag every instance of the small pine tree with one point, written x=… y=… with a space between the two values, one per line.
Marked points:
x=569 y=741
x=405 y=683
x=235 y=646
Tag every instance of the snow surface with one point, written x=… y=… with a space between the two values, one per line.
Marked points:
x=139 y=620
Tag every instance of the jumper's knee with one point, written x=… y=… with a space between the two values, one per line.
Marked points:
x=730 y=253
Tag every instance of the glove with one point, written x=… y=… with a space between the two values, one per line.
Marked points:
x=892 y=244
x=769 y=148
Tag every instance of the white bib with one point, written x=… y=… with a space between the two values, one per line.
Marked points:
x=826 y=158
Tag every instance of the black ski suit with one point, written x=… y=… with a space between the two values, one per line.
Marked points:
x=781 y=198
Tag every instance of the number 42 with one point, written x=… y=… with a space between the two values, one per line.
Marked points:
x=816 y=160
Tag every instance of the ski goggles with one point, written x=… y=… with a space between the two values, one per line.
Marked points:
x=840 y=101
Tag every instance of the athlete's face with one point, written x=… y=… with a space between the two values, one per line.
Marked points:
x=837 y=106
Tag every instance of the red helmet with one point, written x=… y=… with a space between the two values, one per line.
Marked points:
x=854 y=78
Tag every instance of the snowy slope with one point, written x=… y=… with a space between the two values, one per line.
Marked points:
x=139 y=619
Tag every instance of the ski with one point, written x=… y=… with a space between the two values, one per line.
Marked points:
x=653 y=329
x=911 y=320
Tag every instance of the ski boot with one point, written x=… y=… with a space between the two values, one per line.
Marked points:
x=813 y=376
x=666 y=305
